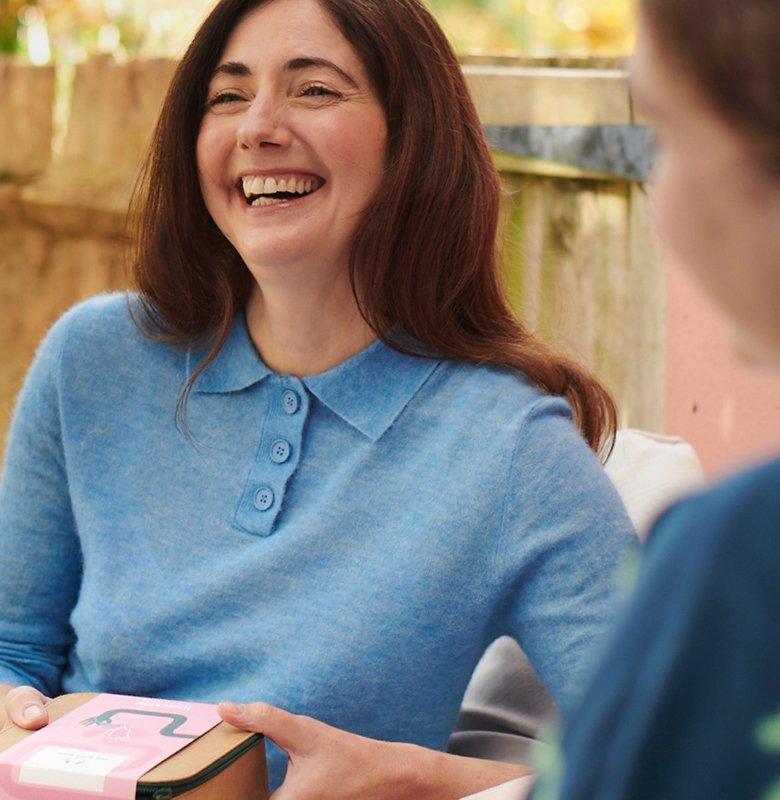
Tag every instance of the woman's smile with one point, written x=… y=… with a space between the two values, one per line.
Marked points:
x=269 y=190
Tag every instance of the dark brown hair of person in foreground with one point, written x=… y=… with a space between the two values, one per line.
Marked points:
x=732 y=51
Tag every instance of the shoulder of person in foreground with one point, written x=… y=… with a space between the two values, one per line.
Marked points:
x=686 y=699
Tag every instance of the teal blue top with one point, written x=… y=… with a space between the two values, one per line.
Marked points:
x=343 y=545
x=685 y=704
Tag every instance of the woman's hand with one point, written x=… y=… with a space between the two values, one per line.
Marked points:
x=24 y=706
x=326 y=763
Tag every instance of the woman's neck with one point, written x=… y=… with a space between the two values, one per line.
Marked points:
x=306 y=331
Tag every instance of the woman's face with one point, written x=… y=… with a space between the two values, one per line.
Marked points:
x=291 y=147
x=717 y=210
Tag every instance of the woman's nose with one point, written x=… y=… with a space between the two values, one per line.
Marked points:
x=262 y=125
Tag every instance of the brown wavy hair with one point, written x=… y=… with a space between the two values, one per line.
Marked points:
x=732 y=52
x=424 y=259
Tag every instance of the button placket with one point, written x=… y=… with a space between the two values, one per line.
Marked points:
x=277 y=456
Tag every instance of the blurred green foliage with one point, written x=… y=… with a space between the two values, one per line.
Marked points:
x=71 y=29
x=9 y=25
x=538 y=27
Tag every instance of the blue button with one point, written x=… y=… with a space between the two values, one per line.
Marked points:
x=280 y=451
x=264 y=498
x=290 y=402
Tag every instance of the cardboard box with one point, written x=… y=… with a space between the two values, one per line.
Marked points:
x=222 y=764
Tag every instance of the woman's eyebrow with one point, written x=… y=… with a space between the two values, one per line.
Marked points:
x=241 y=70
x=304 y=62
x=234 y=68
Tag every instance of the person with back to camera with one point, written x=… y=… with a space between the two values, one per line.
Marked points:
x=372 y=470
x=685 y=702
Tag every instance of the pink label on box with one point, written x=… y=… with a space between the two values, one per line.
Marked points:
x=101 y=748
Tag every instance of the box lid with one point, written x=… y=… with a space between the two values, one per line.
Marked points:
x=216 y=748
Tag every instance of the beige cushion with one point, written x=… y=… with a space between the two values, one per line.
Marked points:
x=650 y=471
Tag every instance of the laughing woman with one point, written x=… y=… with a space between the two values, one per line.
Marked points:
x=315 y=460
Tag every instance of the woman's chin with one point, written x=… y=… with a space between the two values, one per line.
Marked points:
x=296 y=256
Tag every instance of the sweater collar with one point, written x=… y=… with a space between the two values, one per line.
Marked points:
x=368 y=391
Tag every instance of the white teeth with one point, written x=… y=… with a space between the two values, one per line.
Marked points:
x=259 y=187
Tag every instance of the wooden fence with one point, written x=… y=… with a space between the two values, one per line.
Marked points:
x=583 y=267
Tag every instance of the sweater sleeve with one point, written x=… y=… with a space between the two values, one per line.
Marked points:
x=40 y=559
x=564 y=534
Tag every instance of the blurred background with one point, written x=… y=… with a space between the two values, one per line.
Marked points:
x=81 y=82
x=48 y=30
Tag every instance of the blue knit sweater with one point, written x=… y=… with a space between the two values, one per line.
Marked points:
x=343 y=545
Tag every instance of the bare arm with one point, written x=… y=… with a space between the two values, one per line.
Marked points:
x=441 y=776
x=358 y=768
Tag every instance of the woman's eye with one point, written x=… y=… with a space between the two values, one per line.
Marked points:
x=224 y=97
x=319 y=91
